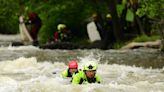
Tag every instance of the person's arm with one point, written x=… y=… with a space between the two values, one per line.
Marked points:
x=98 y=78
x=64 y=73
x=76 y=79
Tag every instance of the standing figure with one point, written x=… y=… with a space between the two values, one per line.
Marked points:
x=36 y=23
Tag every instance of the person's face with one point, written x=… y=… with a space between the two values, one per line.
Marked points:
x=90 y=74
x=72 y=70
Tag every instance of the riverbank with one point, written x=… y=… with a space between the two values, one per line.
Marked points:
x=149 y=44
x=143 y=41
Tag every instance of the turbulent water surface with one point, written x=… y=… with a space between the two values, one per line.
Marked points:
x=30 y=69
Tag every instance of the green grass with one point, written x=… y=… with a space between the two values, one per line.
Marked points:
x=144 y=38
x=118 y=45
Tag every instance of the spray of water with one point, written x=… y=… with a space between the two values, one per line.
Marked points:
x=29 y=75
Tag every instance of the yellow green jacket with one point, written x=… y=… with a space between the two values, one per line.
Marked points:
x=66 y=73
x=80 y=78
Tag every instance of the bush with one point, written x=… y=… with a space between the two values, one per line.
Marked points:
x=8 y=17
x=144 y=38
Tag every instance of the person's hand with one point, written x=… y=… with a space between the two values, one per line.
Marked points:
x=21 y=19
x=29 y=21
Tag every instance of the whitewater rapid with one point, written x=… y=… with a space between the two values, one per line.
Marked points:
x=29 y=75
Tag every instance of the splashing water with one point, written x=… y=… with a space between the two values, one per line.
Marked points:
x=29 y=75
x=30 y=69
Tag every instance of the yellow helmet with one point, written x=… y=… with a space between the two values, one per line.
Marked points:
x=61 y=26
x=108 y=16
x=90 y=66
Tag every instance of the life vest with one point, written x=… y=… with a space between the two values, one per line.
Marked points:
x=80 y=78
x=66 y=73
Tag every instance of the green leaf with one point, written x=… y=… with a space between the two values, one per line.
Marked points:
x=120 y=8
x=130 y=15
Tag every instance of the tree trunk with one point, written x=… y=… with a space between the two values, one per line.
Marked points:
x=117 y=26
x=139 y=24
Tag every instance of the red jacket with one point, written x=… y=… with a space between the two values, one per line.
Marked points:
x=36 y=25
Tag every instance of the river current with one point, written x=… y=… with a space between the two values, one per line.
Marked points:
x=31 y=69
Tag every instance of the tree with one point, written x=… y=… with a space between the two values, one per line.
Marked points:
x=154 y=10
x=73 y=13
x=9 y=16
x=118 y=31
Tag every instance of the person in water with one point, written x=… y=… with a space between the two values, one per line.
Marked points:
x=88 y=75
x=72 y=68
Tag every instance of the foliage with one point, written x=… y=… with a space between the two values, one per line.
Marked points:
x=118 y=45
x=144 y=38
x=8 y=16
x=151 y=8
x=74 y=13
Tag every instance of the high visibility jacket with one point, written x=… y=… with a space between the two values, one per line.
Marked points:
x=80 y=78
x=66 y=73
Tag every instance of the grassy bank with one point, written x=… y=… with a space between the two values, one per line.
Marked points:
x=144 y=38
x=141 y=38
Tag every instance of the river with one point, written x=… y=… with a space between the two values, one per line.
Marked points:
x=31 y=69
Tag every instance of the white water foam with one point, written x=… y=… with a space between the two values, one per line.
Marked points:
x=29 y=75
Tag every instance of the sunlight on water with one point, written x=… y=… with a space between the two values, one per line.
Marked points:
x=29 y=75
